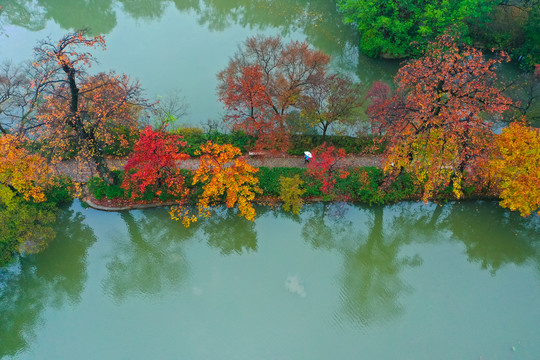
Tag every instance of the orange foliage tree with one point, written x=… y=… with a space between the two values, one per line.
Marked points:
x=79 y=112
x=224 y=176
x=155 y=163
x=434 y=121
x=263 y=83
x=516 y=167
x=21 y=173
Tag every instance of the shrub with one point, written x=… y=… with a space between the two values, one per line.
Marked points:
x=291 y=193
x=99 y=188
x=363 y=184
x=61 y=191
x=269 y=178
x=367 y=144
x=195 y=137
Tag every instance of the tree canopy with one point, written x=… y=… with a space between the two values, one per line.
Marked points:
x=79 y=110
x=223 y=175
x=26 y=228
x=515 y=165
x=434 y=121
x=264 y=81
x=393 y=28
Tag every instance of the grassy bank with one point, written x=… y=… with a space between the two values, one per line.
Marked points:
x=364 y=185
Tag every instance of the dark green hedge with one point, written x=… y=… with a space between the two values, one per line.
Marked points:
x=299 y=143
x=100 y=189
x=195 y=137
x=351 y=145
x=61 y=190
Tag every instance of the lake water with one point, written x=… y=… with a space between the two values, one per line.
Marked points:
x=407 y=281
x=183 y=44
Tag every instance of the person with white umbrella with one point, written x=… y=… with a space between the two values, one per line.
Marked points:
x=307 y=157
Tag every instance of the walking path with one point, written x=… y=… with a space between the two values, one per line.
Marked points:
x=83 y=171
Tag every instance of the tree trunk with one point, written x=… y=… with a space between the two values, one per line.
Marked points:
x=105 y=173
x=324 y=129
x=86 y=137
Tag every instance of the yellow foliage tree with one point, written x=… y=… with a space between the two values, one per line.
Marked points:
x=223 y=176
x=516 y=167
x=21 y=172
x=25 y=228
x=291 y=193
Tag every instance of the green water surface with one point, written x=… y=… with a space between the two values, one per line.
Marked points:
x=407 y=281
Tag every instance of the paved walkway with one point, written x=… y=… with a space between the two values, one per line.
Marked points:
x=82 y=171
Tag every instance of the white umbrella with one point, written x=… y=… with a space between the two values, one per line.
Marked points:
x=308 y=154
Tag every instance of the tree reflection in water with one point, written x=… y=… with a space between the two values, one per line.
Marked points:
x=43 y=281
x=372 y=241
x=98 y=15
x=230 y=233
x=152 y=258
x=491 y=235
x=370 y=281
x=494 y=237
x=319 y=20
x=378 y=246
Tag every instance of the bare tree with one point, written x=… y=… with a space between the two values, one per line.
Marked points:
x=170 y=108
x=331 y=101
x=20 y=94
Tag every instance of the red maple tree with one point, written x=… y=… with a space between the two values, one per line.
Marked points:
x=154 y=164
x=325 y=167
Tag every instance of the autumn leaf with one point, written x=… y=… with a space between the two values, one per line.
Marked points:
x=155 y=164
x=515 y=166
x=21 y=173
x=435 y=120
x=224 y=176
x=325 y=166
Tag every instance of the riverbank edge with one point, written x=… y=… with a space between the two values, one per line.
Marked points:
x=118 y=204
x=272 y=202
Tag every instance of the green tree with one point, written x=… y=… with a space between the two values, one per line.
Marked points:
x=392 y=28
